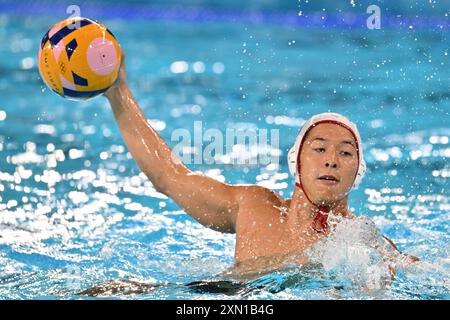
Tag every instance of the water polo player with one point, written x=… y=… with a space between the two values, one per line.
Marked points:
x=326 y=162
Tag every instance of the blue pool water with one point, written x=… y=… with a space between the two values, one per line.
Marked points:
x=75 y=211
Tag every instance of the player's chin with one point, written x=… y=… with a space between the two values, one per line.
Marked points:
x=328 y=189
x=330 y=196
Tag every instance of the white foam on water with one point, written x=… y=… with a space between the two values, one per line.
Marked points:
x=353 y=252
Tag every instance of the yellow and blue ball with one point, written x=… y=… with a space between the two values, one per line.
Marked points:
x=79 y=58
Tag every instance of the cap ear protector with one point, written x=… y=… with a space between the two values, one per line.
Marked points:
x=329 y=117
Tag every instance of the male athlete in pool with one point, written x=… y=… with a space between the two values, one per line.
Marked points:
x=326 y=160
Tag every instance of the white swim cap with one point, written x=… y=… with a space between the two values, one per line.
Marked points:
x=327 y=117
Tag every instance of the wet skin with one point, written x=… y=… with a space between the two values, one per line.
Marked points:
x=265 y=224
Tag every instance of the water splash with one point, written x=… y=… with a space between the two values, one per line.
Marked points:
x=356 y=252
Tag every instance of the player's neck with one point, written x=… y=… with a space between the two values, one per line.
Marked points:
x=302 y=211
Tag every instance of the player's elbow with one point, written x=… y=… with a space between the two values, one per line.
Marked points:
x=161 y=186
x=221 y=227
x=162 y=181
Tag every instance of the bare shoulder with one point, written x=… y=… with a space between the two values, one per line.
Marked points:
x=263 y=195
x=259 y=211
x=258 y=204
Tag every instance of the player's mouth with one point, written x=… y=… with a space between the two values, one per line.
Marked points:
x=328 y=179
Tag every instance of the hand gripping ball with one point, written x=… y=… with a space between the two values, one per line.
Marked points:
x=79 y=58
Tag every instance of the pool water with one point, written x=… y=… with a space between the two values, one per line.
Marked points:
x=75 y=210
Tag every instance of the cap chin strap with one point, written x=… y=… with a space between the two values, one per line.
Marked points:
x=319 y=223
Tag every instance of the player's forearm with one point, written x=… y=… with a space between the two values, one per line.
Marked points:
x=150 y=151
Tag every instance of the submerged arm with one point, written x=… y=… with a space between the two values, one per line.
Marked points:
x=408 y=258
x=393 y=257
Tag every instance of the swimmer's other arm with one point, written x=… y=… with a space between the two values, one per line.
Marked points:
x=408 y=258
x=207 y=200
x=392 y=256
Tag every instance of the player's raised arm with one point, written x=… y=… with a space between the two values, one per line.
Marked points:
x=209 y=201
